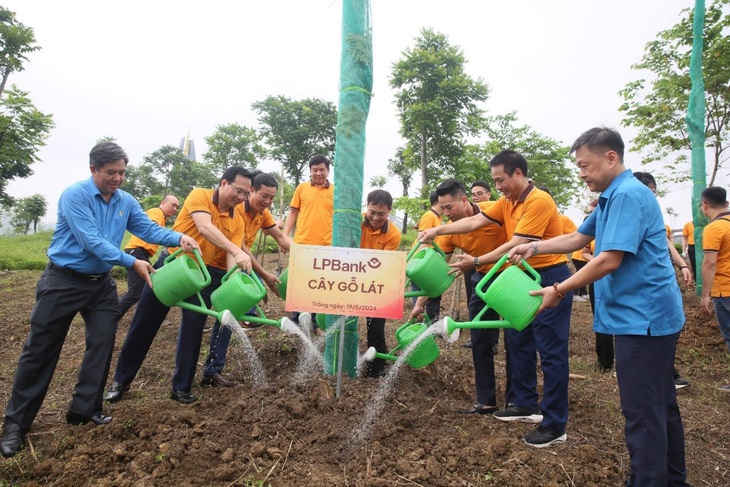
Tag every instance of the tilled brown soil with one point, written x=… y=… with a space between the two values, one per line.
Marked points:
x=296 y=432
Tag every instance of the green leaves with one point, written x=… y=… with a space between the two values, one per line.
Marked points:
x=438 y=103
x=295 y=130
x=657 y=106
x=23 y=130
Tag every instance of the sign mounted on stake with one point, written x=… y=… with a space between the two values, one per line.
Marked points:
x=346 y=281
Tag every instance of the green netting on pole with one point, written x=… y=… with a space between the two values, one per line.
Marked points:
x=696 y=128
x=356 y=83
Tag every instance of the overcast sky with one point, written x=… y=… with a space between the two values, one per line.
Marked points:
x=146 y=72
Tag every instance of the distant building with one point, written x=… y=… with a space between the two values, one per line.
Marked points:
x=187 y=146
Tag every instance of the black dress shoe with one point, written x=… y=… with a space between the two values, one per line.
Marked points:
x=480 y=409
x=97 y=417
x=116 y=391
x=13 y=439
x=216 y=380
x=183 y=397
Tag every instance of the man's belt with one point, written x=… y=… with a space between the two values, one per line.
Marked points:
x=77 y=275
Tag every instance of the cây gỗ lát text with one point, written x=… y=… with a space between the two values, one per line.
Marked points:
x=353 y=285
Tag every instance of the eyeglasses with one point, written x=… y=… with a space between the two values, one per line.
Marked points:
x=239 y=191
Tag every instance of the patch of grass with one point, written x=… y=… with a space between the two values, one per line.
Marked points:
x=28 y=252
x=25 y=251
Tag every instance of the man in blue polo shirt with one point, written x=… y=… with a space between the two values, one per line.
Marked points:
x=637 y=300
x=92 y=218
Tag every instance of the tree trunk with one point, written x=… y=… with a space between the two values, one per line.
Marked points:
x=4 y=80
x=404 y=230
x=424 y=177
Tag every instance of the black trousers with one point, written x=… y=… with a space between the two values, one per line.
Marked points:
x=376 y=339
x=693 y=261
x=135 y=283
x=59 y=297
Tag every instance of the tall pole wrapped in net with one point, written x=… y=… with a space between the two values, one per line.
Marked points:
x=356 y=83
x=696 y=129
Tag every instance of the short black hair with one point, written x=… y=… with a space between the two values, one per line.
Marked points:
x=511 y=160
x=600 y=138
x=264 y=179
x=715 y=196
x=319 y=159
x=433 y=198
x=380 y=197
x=233 y=172
x=646 y=179
x=106 y=152
x=452 y=187
x=481 y=184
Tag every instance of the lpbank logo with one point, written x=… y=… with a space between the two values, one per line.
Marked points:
x=339 y=266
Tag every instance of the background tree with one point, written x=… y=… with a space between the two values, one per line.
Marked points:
x=295 y=130
x=233 y=145
x=167 y=171
x=378 y=182
x=23 y=130
x=105 y=138
x=401 y=169
x=658 y=107
x=16 y=41
x=549 y=162
x=29 y=210
x=437 y=103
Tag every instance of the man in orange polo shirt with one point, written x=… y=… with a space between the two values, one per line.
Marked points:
x=528 y=215
x=312 y=206
x=256 y=216
x=716 y=262
x=209 y=217
x=138 y=248
x=311 y=210
x=453 y=200
x=688 y=246
x=378 y=233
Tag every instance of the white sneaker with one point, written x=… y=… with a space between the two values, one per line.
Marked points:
x=579 y=299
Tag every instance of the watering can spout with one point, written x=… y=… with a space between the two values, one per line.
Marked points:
x=370 y=354
x=288 y=326
x=448 y=329
x=227 y=319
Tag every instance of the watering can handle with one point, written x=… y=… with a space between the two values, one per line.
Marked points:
x=198 y=257
x=253 y=275
x=416 y=247
x=498 y=265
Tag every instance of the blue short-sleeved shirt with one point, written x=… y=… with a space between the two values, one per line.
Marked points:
x=642 y=296
x=89 y=230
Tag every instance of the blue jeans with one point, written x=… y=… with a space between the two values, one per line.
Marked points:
x=722 y=310
x=220 y=338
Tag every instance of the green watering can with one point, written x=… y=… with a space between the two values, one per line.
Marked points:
x=181 y=278
x=427 y=268
x=509 y=295
x=281 y=287
x=422 y=355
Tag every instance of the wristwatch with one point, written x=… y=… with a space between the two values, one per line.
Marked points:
x=477 y=264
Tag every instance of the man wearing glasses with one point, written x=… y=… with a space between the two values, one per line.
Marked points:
x=480 y=192
x=210 y=218
x=256 y=216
